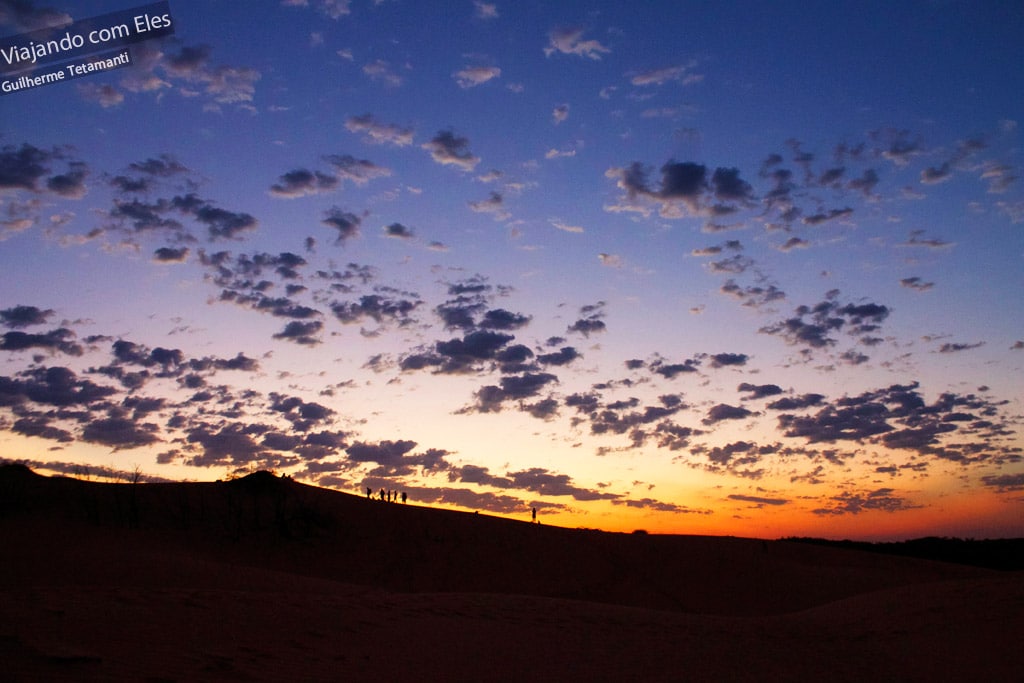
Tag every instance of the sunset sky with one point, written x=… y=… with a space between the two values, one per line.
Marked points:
x=718 y=268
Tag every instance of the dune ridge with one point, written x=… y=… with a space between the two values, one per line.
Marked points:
x=264 y=578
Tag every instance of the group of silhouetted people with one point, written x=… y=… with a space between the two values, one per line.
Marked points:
x=387 y=495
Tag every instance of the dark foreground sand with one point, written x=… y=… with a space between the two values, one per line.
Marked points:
x=270 y=580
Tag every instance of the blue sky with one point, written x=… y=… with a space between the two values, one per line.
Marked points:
x=706 y=267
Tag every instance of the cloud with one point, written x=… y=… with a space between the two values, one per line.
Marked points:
x=565 y=227
x=58 y=340
x=105 y=95
x=813 y=325
x=335 y=9
x=484 y=10
x=345 y=223
x=684 y=189
x=934 y=176
x=1004 y=483
x=24 y=16
x=120 y=432
x=378 y=133
x=446 y=148
x=590 y=321
x=301 y=332
x=667 y=74
x=758 y=501
x=490 y=398
x=222 y=84
x=719 y=360
x=853 y=503
x=25 y=316
x=170 y=255
x=384 y=452
x=916 y=283
x=31 y=168
x=916 y=240
x=569 y=41
x=399 y=231
x=560 y=113
x=302 y=182
x=382 y=72
x=472 y=76
x=376 y=307
x=494 y=205
x=357 y=171
x=759 y=390
x=896 y=145
x=724 y=411
x=955 y=347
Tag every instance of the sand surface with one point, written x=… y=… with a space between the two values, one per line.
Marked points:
x=211 y=583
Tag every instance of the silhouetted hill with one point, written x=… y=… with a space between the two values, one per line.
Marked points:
x=1005 y=554
x=282 y=524
x=264 y=578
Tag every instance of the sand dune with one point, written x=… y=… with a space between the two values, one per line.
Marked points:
x=266 y=579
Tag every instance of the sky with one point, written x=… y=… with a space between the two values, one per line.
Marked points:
x=729 y=268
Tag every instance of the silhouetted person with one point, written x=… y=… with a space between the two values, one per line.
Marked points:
x=382 y=494
x=369 y=493
x=405 y=497
x=534 y=515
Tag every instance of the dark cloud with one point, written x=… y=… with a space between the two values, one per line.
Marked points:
x=220 y=223
x=563 y=356
x=727 y=185
x=491 y=398
x=753 y=296
x=376 y=307
x=824 y=217
x=853 y=503
x=346 y=223
x=916 y=240
x=25 y=15
x=40 y=426
x=500 y=319
x=56 y=386
x=120 y=432
x=384 y=452
x=446 y=148
x=590 y=321
x=934 y=176
x=70 y=184
x=759 y=501
x=955 y=347
x=796 y=402
x=916 y=283
x=170 y=255
x=546 y=483
x=720 y=360
x=301 y=332
x=759 y=390
x=673 y=370
x=22 y=168
x=303 y=182
x=226 y=445
x=24 y=316
x=399 y=231
x=303 y=415
x=724 y=411
x=866 y=183
x=813 y=325
x=1004 y=482
x=59 y=340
